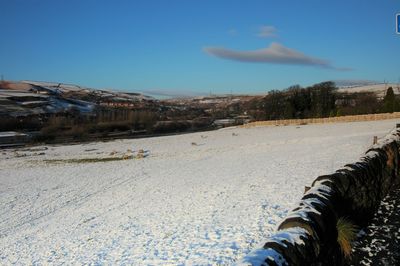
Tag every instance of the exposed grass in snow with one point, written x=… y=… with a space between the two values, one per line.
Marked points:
x=347 y=233
x=129 y=156
x=85 y=160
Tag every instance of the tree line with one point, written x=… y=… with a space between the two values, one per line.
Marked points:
x=317 y=101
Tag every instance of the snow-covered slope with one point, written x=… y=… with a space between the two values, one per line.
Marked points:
x=202 y=198
x=105 y=93
x=379 y=89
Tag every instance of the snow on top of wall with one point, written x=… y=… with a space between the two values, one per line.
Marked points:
x=258 y=257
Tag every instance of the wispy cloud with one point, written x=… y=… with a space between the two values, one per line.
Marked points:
x=267 y=32
x=274 y=54
x=233 y=32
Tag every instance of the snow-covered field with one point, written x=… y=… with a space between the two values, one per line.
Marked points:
x=202 y=198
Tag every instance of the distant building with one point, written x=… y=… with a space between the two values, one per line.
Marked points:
x=243 y=119
x=224 y=122
x=345 y=102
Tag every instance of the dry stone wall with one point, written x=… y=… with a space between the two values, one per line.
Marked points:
x=308 y=235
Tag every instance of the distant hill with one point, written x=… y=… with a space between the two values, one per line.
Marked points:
x=25 y=98
x=378 y=89
x=59 y=111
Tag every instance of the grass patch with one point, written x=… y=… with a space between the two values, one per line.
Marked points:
x=86 y=160
x=347 y=233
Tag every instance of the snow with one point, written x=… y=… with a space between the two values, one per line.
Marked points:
x=4 y=134
x=210 y=203
x=379 y=89
x=12 y=93
x=257 y=257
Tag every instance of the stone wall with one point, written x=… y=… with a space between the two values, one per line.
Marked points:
x=308 y=235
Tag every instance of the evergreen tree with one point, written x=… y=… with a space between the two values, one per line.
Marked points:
x=389 y=101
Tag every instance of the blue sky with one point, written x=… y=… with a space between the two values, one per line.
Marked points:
x=199 y=46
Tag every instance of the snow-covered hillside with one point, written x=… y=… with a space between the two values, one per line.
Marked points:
x=378 y=89
x=202 y=198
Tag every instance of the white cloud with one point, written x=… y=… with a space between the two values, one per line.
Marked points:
x=274 y=54
x=266 y=32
